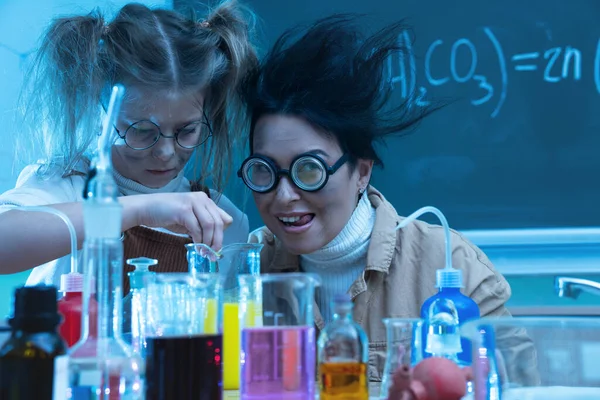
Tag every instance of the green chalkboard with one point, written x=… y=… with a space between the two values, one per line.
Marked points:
x=519 y=145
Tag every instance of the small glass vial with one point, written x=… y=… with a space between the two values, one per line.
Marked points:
x=134 y=304
x=33 y=361
x=343 y=355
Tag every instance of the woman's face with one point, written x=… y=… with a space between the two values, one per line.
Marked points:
x=159 y=164
x=323 y=214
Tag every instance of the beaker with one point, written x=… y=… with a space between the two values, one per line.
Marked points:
x=278 y=358
x=184 y=337
x=404 y=347
x=232 y=260
x=535 y=358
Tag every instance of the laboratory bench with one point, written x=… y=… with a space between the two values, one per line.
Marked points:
x=555 y=311
x=234 y=395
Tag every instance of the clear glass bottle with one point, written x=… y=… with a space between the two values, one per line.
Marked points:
x=103 y=366
x=134 y=304
x=343 y=355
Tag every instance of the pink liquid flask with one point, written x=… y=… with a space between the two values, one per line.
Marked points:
x=279 y=363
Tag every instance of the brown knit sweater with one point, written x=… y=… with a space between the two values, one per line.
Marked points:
x=168 y=249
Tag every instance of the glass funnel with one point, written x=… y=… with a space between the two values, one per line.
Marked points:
x=278 y=358
x=404 y=347
x=535 y=358
x=184 y=337
x=229 y=262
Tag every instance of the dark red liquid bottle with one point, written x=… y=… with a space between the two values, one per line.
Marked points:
x=184 y=368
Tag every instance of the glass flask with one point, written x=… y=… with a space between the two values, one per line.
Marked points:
x=343 y=356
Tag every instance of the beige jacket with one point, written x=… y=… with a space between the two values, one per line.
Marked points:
x=400 y=274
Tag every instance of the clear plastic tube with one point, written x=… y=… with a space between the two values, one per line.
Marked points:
x=444 y=222
x=65 y=219
x=446 y=277
x=104 y=363
x=105 y=141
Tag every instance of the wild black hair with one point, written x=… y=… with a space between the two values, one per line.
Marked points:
x=334 y=77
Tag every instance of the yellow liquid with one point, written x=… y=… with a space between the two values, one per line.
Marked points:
x=210 y=321
x=232 y=347
x=343 y=381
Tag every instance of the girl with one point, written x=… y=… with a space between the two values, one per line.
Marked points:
x=180 y=110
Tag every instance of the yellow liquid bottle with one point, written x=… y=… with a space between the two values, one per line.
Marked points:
x=230 y=262
x=210 y=320
x=232 y=346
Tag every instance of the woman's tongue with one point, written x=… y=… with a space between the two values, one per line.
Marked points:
x=305 y=219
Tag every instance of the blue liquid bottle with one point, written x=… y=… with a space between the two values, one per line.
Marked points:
x=449 y=283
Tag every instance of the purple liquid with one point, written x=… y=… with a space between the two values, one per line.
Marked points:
x=184 y=368
x=278 y=363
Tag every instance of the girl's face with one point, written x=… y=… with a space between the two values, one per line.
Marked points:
x=158 y=165
x=320 y=215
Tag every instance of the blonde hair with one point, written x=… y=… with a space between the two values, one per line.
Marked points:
x=82 y=57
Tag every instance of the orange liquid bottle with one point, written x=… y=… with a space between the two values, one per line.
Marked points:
x=343 y=353
x=344 y=381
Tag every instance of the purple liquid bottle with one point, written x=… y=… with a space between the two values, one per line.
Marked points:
x=278 y=360
x=278 y=363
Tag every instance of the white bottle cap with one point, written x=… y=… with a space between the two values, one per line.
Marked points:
x=71 y=282
x=448 y=278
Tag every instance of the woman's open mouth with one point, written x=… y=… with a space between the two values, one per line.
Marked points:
x=296 y=223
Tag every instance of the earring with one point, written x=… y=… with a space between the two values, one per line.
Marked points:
x=361 y=190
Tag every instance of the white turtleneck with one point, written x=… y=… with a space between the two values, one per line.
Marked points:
x=127 y=187
x=343 y=259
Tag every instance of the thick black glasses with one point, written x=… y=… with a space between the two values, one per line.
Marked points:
x=308 y=172
x=142 y=135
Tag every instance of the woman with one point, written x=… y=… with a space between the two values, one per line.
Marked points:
x=318 y=105
x=181 y=111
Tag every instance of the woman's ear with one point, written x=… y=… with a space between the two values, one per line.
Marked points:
x=364 y=168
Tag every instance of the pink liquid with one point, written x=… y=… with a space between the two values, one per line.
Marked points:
x=278 y=363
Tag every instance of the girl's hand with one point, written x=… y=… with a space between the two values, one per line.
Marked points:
x=192 y=213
